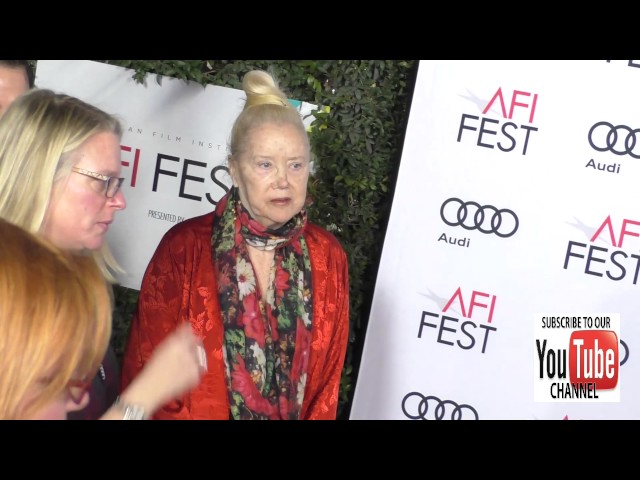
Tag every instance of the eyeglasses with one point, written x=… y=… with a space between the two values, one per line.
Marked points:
x=77 y=389
x=111 y=184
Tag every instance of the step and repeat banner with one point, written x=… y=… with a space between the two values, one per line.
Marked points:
x=174 y=148
x=508 y=282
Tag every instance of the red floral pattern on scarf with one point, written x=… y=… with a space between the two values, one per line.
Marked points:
x=266 y=345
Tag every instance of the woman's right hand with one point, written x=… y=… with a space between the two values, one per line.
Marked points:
x=174 y=368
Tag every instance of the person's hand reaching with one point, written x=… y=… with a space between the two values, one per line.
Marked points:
x=175 y=367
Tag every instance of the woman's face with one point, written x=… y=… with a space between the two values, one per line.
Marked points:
x=79 y=213
x=13 y=83
x=71 y=399
x=271 y=175
x=58 y=408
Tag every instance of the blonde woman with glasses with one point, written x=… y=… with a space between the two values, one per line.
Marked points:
x=60 y=177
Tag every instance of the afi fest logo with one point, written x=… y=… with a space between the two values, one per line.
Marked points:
x=189 y=173
x=467 y=334
x=615 y=264
x=492 y=133
x=576 y=358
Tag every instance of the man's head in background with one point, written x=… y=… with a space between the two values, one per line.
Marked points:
x=16 y=78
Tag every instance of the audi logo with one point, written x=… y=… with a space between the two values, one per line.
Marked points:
x=626 y=353
x=432 y=408
x=610 y=142
x=471 y=216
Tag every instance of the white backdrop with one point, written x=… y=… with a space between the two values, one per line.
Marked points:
x=173 y=150
x=537 y=163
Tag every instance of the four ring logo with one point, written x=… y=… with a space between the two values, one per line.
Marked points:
x=432 y=408
x=609 y=139
x=477 y=219
x=626 y=352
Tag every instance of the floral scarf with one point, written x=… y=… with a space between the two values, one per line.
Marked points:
x=266 y=342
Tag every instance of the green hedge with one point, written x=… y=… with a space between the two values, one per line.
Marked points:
x=357 y=146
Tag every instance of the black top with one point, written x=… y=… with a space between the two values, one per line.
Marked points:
x=103 y=391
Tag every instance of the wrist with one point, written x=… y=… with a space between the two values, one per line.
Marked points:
x=131 y=411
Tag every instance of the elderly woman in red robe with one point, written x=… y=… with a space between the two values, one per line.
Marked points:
x=266 y=290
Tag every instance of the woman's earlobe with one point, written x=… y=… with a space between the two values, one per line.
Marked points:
x=231 y=171
x=233 y=179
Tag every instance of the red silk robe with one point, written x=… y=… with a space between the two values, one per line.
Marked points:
x=179 y=285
